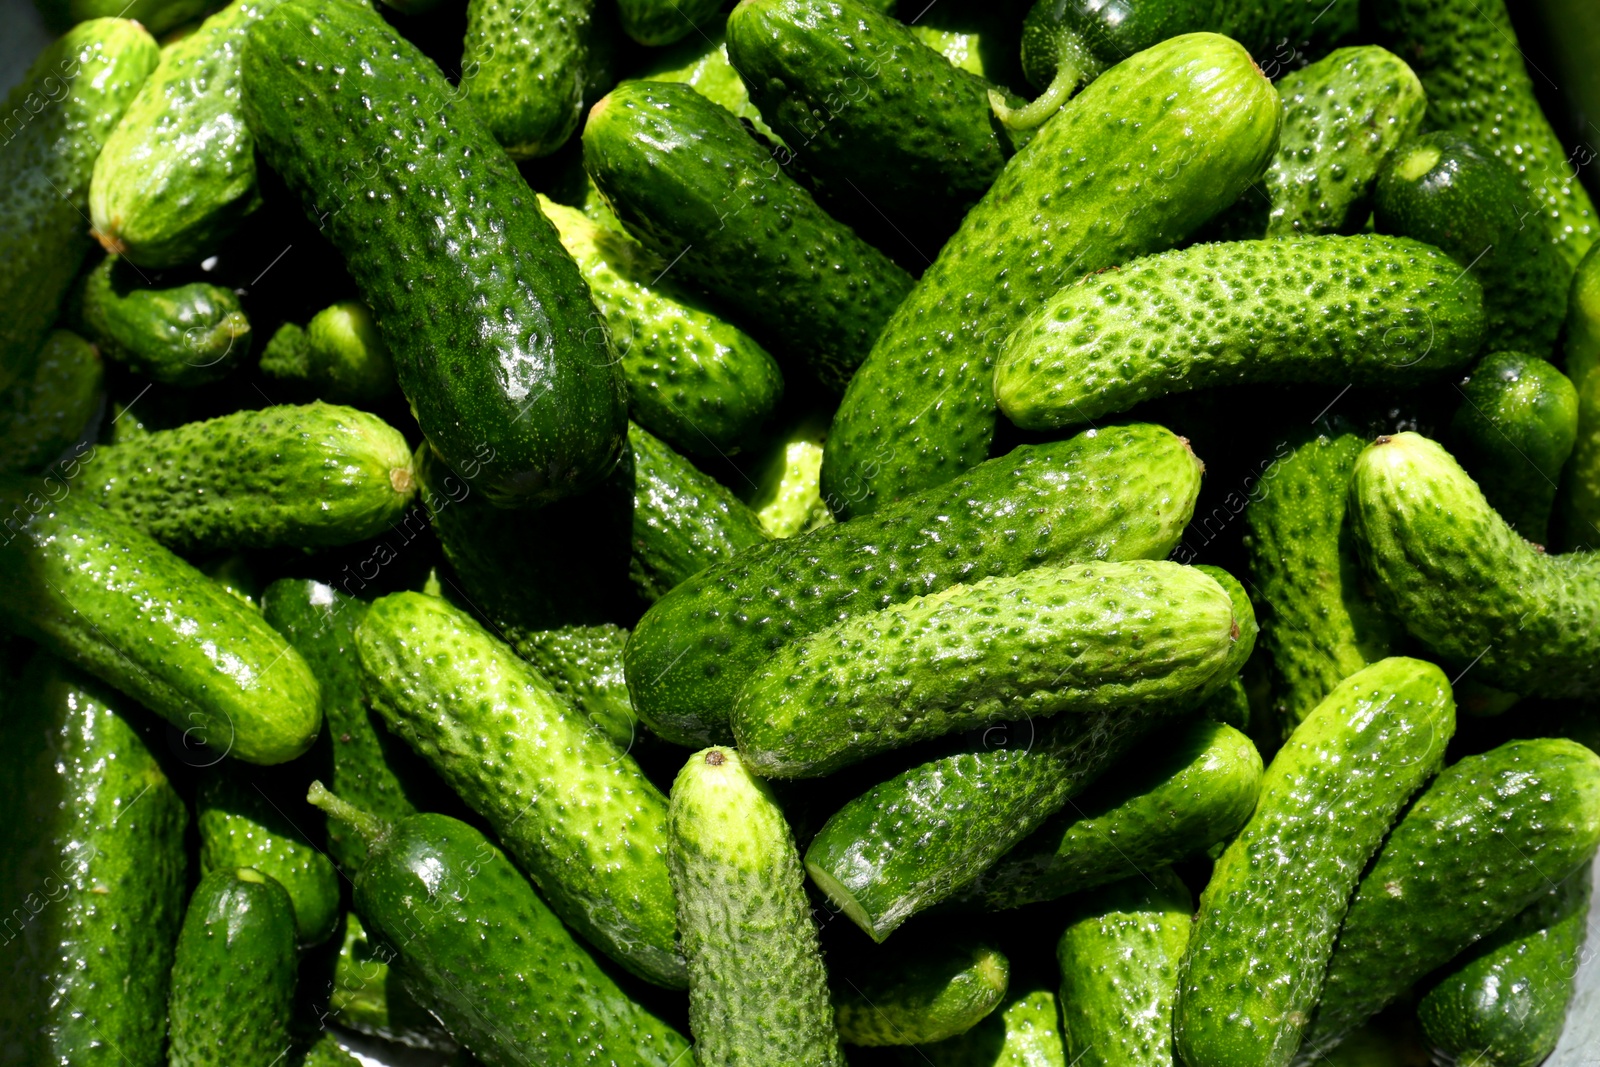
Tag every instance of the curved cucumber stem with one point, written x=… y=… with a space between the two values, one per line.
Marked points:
x=371 y=829
x=1075 y=67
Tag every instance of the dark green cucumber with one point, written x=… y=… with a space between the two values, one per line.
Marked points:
x=1195 y=123
x=1070 y=640
x=484 y=313
x=92 y=852
x=525 y=70
x=367 y=994
x=339 y=356
x=1448 y=192
x=157 y=16
x=1119 y=958
x=758 y=990
x=233 y=978
x=1124 y=492
x=1387 y=311
x=50 y=405
x=1513 y=432
x=572 y=806
x=1024 y=1032
x=693 y=378
x=185 y=335
x=583 y=664
x=700 y=61
x=1504 y=1003
x=95 y=590
x=659 y=22
x=1199 y=789
x=787 y=491
x=58 y=116
x=1580 y=493
x=1269 y=916
x=1491 y=834
x=742 y=229
x=883 y=997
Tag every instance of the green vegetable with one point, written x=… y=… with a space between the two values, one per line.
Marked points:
x=787 y=494
x=367 y=995
x=157 y=16
x=326 y=1052
x=658 y=22
x=583 y=665
x=883 y=997
x=1270 y=913
x=92 y=853
x=535 y=400
x=339 y=356
x=1025 y=1032
x=525 y=70
x=1387 y=311
x=700 y=61
x=1580 y=495
x=758 y=991
x=1196 y=122
x=186 y=335
x=49 y=407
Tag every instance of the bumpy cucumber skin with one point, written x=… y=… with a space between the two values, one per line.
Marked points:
x=1096 y=186
x=96 y=591
x=1517 y=412
x=484 y=313
x=758 y=990
x=1489 y=836
x=70 y=100
x=659 y=22
x=339 y=355
x=572 y=806
x=917 y=997
x=1505 y=1003
x=583 y=665
x=1580 y=494
x=525 y=69
x=1367 y=310
x=49 y=406
x=1471 y=205
x=1464 y=583
x=234 y=974
x=1199 y=791
x=1123 y=492
x=368 y=996
x=1025 y=1032
x=92 y=846
x=740 y=227
x=186 y=335
x=787 y=494
x=694 y=379
x=1119 y=961
x=1270 y=913
x=1467 y=57
x=1052 y=641
x=1320 y=624
x=288 y=475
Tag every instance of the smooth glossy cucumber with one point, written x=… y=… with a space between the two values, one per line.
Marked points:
x=187 y=334
x=1337 y=310
x=1118 y=493
x=1580 y=492
x=367 y=994
x=1024 y=1032
x=525 y=70
x=787 y=484
x=916 y=997
x=758 y=990
x=1268 y=918
x=50 y=405
x=339 y=356
x=583 y=664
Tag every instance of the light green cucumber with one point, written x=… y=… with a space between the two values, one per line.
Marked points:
x=50 y=405
x=526 y=70
x=787 y=493
x=1024 y=1032
x=916 y=997
x=188 y=334
x=367 y=994
x=1579 y=508
x=583 y=664
x=339 y=356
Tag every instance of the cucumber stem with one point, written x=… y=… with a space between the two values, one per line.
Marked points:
x=1075 y=66
x=371 y=829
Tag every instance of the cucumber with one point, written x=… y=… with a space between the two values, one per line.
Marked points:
x=1084 y=194
x=758 y=990
x=1069 y=640
x=526 y=69
x=573 y=807
x=1025 y=1032
x=1387 y=311
x=659 y=22
x=50 y=405
x=917 y=997
x=178 y=173
x=692 y=650
x=326 y=1052
x=59 y=115
x=739 y=227
x=157 y=16
x=92 y=852
x=1465 y=585
x=233 y=978
x=1268 y=917
x=368 y=996
x=1119 y=959
x=339 y=356
x=520 y=989
x=1197 y=790
x=288 y=475
x=544 y=398
x=787 y=493
x=1504 y=1003
x=1491 y=834
x=1446 y=191
x=185 y=335
x=694 y=379
x=583 y=665
x=1580 y=495
x=1517 y=412
x=1466 y=53
x=700 y=61
x=98 y=592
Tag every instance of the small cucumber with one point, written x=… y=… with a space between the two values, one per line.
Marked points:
x=1491 y=834
x=883 y=997
x=1120 y=493
x=573 y=807
x=59 y=115
x=288 y=475
x=1025 y=1032
x=659 y=22
x=1388 y=311
x=700 y=61
x=339 y=356
x=95 y=590
x=157 y=16
x=1580 y=494
x=368 y=996
x=758 y=990
x=787 y=493
x=739 y=227
x=583 y=664
x=694 y=379
x=525 y=70
x=1269 y=915
x=1067 y=640
x=185 y=335
x=92 y=852
x=1119 y=958
x=49 y=407
x=234 y=975
x=484 y=313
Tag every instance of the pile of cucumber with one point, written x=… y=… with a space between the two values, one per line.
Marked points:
x=806 y=534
